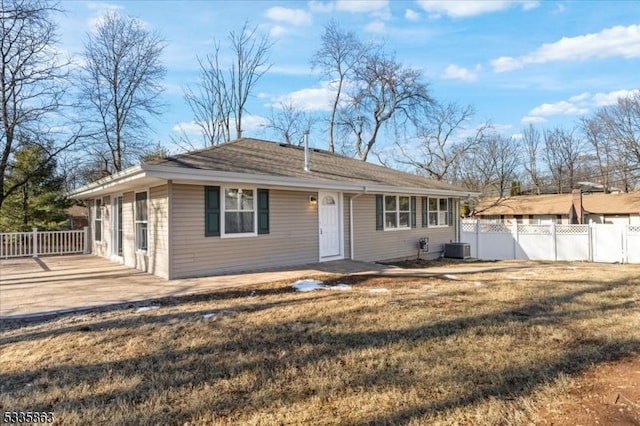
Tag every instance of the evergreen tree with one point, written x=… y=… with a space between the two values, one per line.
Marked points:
x=40 y=202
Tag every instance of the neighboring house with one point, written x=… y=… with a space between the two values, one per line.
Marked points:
x=78 y=217
x=250 y=204
x=622 y=208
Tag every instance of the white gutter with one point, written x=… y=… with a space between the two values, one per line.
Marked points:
x=364 y=191
x=180 y=175
x=200 y=176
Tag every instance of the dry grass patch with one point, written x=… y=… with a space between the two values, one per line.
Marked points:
x=481 y=348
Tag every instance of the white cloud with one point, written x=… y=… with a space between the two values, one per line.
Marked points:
x=533 y=120
x=580 y=98
x=576 y=105
x=465 y=9
x=103 y=6
x=375 y=27
x=277 y=31
x=411 y=15
x=320 y=6
x=309 y=99
x=604 y=99
x=295 y=17
x=616 y=41
x=249 y=123
x=505 y=63
x=362 y=6
x=188 y=127
x=454 y=72
x=557 y=108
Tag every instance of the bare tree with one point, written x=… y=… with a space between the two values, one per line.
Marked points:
x=338 y=56
x=383 y=89
x=290 y=122
x=210 y=102
x=121 y=87
x=531 y=143
x=603 y=149
x=492 y=165
x=33 y=85
x=563 y=151
x=622 y=124
x=441 y=144
x=219 y=100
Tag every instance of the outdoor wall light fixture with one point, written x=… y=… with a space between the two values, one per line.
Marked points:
x=313 y=199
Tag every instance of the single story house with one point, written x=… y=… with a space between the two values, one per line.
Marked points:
x=251 y=204
x=621 y=208
x=77 y=217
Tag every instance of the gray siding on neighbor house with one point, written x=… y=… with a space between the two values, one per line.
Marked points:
x=292 y=238
x=375 y=245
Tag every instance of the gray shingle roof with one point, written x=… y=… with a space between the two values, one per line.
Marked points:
x=259 y=157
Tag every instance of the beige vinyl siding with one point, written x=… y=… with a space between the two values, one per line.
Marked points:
x=292 y=238
x=346 y=229
x=373 y=245
x=158 y=229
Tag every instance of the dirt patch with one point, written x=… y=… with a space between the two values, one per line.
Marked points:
x=607 y=394
x=428 y=263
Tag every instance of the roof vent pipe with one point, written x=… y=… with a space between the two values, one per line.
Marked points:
x=306 y=150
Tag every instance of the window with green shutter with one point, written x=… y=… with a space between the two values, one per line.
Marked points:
x=212 y=211
x=413 y=212
x=379 y=212
x=425 y=211
x=263 y=211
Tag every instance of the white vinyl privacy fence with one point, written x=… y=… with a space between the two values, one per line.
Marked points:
x=43 y=243
x=594 y=242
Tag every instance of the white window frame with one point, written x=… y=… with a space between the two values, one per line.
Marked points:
x=97 y=221
x=223 y=212
x=136 y=221
x=397 y=212
x=439 y=213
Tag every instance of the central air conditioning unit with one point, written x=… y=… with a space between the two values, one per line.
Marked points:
x=457 y=250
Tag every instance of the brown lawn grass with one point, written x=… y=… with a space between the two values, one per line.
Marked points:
x=490 y=348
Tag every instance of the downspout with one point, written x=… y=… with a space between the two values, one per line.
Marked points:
x=364 y=191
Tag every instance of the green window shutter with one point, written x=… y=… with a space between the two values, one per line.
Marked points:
x=425 y=218
x=263 y=211
x=413 y=212
x=211 y=211
x=379 y=212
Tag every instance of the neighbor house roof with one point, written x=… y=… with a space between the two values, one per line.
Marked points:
x=269 y=163
x=559 y=204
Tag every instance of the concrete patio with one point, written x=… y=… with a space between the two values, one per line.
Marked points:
x=36 y=287
x=42 y=286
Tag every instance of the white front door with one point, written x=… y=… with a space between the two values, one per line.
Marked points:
x=329 y=217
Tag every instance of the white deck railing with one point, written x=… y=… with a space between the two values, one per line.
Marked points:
x=43 y=243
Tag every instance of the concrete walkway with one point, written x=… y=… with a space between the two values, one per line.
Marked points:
x=44 y=286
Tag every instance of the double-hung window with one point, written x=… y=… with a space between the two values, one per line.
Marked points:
x=397 y=212
x=439 y=209
x=97 y=221
x=239 y=210
x=141 y=221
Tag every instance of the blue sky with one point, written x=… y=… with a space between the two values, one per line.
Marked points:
x=516 y=62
